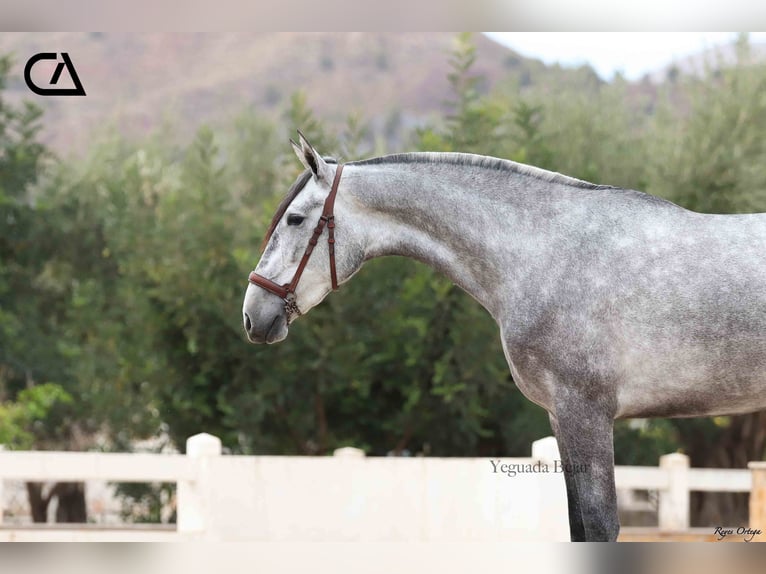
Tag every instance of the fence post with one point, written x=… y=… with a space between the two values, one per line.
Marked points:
x=758 y=495
x=194 y=497
x=546 y=450
x=348 y=452
x=674 y=501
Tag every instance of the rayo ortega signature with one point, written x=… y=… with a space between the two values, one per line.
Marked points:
x=748 y=533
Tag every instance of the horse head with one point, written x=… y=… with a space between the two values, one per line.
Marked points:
x=298 y=266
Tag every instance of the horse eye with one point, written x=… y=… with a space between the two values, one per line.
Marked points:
x=293 y=219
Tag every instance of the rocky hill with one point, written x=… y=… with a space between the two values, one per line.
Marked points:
x=136 y=82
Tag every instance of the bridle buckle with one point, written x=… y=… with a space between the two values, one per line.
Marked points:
x=291 y=306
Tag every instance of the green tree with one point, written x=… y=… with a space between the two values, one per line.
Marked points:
x=24 y=357
x=711 y=159
x=23 y=418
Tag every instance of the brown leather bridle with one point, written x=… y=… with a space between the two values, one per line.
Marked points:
x=287 y=291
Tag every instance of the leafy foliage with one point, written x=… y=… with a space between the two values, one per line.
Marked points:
x=22 y=420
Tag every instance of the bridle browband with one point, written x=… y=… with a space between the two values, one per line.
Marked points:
x=287 y=291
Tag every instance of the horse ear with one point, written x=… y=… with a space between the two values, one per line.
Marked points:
x=311 y=159
x=298 y=152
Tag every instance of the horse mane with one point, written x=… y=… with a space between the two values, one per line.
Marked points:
x=506 y=165
x=486 y=162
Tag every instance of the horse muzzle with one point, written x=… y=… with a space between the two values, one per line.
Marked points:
x=264 y=321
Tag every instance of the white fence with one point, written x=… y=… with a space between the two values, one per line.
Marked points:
x=346 y=497
x=350 y=497
x=674 y=481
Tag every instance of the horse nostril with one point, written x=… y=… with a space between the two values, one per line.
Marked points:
x=248 y=324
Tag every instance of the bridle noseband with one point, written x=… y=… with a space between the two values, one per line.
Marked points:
x=287 y=291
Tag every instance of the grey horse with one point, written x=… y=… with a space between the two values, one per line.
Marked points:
x=611 y=303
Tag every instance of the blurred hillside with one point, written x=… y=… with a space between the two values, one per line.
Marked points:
x=136 y=82
x=717 y=57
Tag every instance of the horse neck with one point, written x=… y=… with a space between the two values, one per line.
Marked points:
x=459 y=220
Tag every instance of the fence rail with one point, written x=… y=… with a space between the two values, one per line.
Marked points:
x=77 y=466
x=675 y=480
x=640 y=478
x=720 y=480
